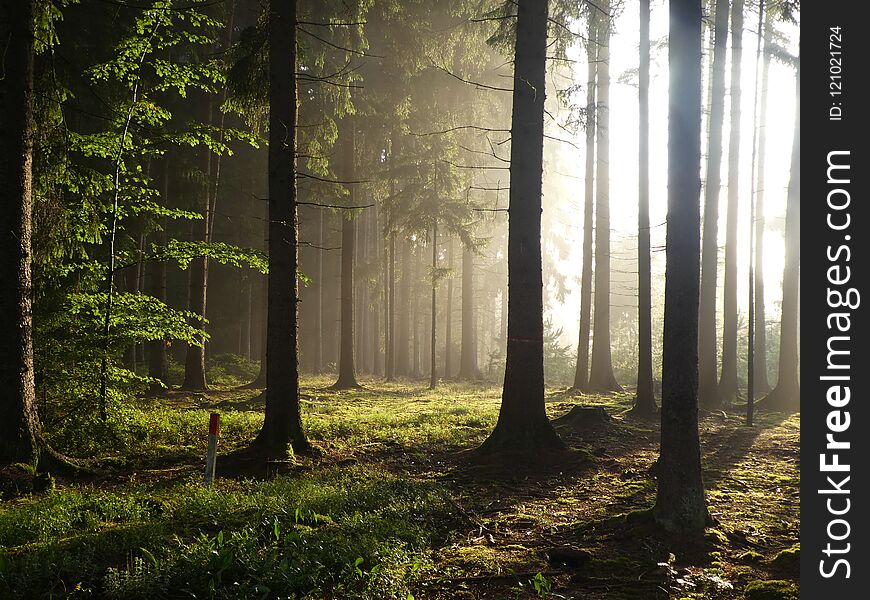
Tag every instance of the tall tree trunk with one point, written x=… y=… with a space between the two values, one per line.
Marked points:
x=194 y=364
x=403 y=336
x=760 y=354
x=158 y=365
x=318 y=299
x=708 y=387
x=645 y=402
x=448 y=319
x=375 y=312
x=468 y=368
x=390 y=329
x=680 y=506
x=415 y=314
x=282 y=424
x=522 y=421
x=581 y=371
x=728 y=387
x=346 y=370
x=786 y=396
x=19 y=423
x=601 y=377
x=260 y=381
x=433 y=372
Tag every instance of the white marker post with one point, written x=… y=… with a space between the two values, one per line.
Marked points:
x=214 y=426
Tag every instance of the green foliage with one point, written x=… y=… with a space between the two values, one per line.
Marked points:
x=349 y=533
x=771 y=590
x=559 y=360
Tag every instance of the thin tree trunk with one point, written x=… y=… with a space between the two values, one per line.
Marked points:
x=601 y=377
x=194 y=364
x=318 y=299
x=433 y=372
x=468 y=368
x=415 y=314
x=708 y=387
x=680 y=505
x=282 y=424
x=581 y=372
x=346 y=370
x=391 y=317
x=158 y=366
x=645 y=402
x=375 y=312
x=761 y=383
x=728 y=386
x=19 y=423
x=522 y=425
x=403 y=336
x=786 y=396
x=448 y=305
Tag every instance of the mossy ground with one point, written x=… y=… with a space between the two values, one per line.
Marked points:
x=395 y=506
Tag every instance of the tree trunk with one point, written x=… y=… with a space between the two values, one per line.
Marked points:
x=433 y=372
x=680 y=506
x=601 y=377
x=708 y=387
x=318 y=298
x=728 y=387
x=415 y=314
x=581 y=372
x=645 y=402
x=19 y=423
x=786 y=396
x=522 y=425
x=260 y=381
x=158 y=365
x=390 y=329
x=468 y=368
x=762 y=385
x=282 y=424
x=403 y=336
x=448 y=318
x=375 y=316
x=346 y=370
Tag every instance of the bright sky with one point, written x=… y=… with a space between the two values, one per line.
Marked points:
x=564 y=180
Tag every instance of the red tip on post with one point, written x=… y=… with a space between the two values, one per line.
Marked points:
x=214 y=424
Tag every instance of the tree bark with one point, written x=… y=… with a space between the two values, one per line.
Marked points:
x=282 y=425
x=318 y=298
x=403 y=336
x=346 y=370
x=522 y=422
x=194 y=364
x=601 y=377
x=728 y=386
x=468 y=368
x=645 y=402
x=433 y=371
x=448 y=318
x=680 y=506
x=786 y=395
x=708 y=387
x=581 y=372
x=762 y=385
x=19 y=423
x=158 y=365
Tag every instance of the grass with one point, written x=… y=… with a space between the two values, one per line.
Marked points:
x=393 y=506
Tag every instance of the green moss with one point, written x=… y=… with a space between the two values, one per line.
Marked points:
x=771 y=590
x=716 y=537
x=788 y=558
x=751 y=556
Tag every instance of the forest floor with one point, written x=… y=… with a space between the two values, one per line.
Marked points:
x=393 y=505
